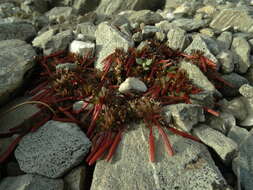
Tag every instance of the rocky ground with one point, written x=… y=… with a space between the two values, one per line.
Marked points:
x=52 y=158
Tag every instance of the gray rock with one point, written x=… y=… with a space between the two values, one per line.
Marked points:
x=190 y=168
x=126 y=29
x=66 y=66
x=207 y=32
x=51 y=42
x=53 y=149
x=239 y=19
x=16 y=58
x=236 y=81
x=225 y=147
x=223 y=123
x=82 y=6
x=185 y=116
x=189 y=24
x=108 y=7
x=249 y=74
x=248 y=121
x=87 y=29
x=108 y=38
x=120 y=20
x=246 y=90
x=17 y=30
x=204 y=98
x=236 y=107
x=225 y=40
x=81 y=48
x=60 y=14
x=160 y=36
x=200 y=44
x=225 y=58
x=149 y=31
x=75 y=179
x=165 y=26
x=31 y=182
x=211 y=43
x=145 y=16
x=132 y=84
x=197 y=77
x=241 y=52
x=177 y=39
x=237 y=134
x=137 y=37
x=242 y=165
x=30 y=6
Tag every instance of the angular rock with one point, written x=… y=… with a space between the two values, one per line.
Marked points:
x=51 y=42
x=145 y=16
x=16 y=58
x=248 y=121
x=241 y=51
x=59 y=14
x=165 y=26
x=190 y=168
x=108 y=38
x=81 y=48
x=207 y=31
x=237 y=134
x=149 y=31
x=185 y=116
x=132 y=84
x=246 y=90
x=225 y=147
x=88 y=30
x=226 y=60
x=236 y=81
x=177 y=39
x=237 y=18
x=223 y=123
x=53 y=149
x=204 y=98
x=108 y=7
x=200 y=44
x=137 y=37
x=75 y=179
x=29 y=182
x=189 y=24
x=30 y=6
x=82 y=6
x=243 y=164
x=225 y=40
x=17 y=30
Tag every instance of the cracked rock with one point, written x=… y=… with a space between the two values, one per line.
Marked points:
x=132 y=84
x=53 y=149
x=177 y=39
x=226 y=60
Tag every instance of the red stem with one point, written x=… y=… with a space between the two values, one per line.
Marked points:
x=114 y=146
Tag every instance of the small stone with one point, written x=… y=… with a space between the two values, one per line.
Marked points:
x=81 y=48
x=137 y=37
x=160 y=36
x=185 y=116
x=246 y=90
x=66 y=66
x=53 y=149
x=177 y=39
x=226 y=60
x=31 y=182
x=145 y=16
x=88 y=30
x=190 y=24
x=165 y=26
x=149 y=31
x=182 y=9
x=225 y=147
x=207 y=31
x=75 y=179
x=238 y=134
x=58 y=13
x=204 y=98
x=248 y=121
x=132 y=84
x=225 y=40
x=208 y=9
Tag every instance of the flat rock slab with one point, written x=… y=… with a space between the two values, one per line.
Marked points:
x=53 y=149
x=16 y=58
x=190 y=168
x=31 y=182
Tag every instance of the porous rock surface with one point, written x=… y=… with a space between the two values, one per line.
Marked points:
x=53 y=149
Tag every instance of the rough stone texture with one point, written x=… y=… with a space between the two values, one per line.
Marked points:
x=108 y=38
x=225 y=58
x=200 y=44
x=207 y=31
x=225 y=147
x=211 y=43
x=59 y=14
x=165 y=26
x=237 y=18
x=111 y=7
x=87 y=29
x=197 y=77
x=149 y=31
x=177 y=39
x=17 y=30
x=51 y=42
x=225 y=40
x=234 y=79
x=248 y=121
x=241 y=52
x=246 y=90
x=185 y=116
x=81 y=48
x=243 y=164
x=31 y=182
x=237 y=134
x=30 y=6
x=53 y=149
x=145 y=16
x=16 y=58
x=75 y=179
x=82 y=6
x=190 y=168
x=204 y=98
x=190 y=24
x=132 y=84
